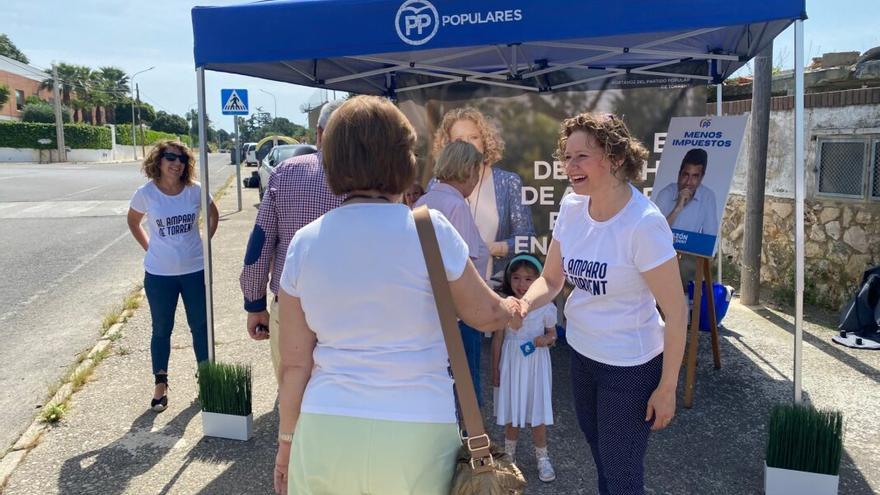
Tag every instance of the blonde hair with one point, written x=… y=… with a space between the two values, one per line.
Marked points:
x=627 y=153
x=493 y=145
x=458 y=162
x=151 y=163
x=369 y=145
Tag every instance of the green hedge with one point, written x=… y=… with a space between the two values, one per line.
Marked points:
x=123 y=136
x=76 y=136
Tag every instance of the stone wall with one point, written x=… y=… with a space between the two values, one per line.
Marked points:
x=842 y=240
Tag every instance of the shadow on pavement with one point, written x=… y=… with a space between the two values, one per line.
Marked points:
x=109 y=470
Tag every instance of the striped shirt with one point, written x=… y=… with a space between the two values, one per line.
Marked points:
x=297 y=195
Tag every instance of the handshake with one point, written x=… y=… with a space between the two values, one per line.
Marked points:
x=518 y=309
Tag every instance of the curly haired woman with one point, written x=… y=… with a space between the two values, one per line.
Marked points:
x=496 y=204
x=173 y=264
x=615 y=247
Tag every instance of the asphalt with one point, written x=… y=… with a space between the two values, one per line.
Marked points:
x=110 y=443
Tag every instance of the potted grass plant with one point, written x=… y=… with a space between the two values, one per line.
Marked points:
x=804 y=446
x=225 y=397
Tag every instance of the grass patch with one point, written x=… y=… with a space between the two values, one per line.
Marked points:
x=101 y=355
x=805 y=439
x=123 y=351
x=116 y=336
x=225 y=388
x=132 y=301
x=80 y=379
x=111 y=318
x=53 y=413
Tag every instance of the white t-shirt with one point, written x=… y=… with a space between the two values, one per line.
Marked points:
x=175 y=246
x=364 y=288
x=612 y=315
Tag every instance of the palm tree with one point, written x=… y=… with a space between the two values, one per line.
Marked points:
x=67 y=80
x=114 y=83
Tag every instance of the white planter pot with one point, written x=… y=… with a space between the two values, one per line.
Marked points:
x=786 y=482
x=227 y=425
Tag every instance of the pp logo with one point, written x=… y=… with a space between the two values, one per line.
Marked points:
x=706 y=123
x=416 y=22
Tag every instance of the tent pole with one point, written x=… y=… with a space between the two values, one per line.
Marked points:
x=799 y=192
x=718 y=110
x=203 y=176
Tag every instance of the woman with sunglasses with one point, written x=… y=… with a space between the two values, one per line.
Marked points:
x=174 y=263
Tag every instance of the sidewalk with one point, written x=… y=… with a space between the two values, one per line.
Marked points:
x=111 y=443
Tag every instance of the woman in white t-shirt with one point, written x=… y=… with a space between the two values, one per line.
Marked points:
x=615 y=247
x=173 y=264
x=365 y=397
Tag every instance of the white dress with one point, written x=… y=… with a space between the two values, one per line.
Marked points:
x=526 y=385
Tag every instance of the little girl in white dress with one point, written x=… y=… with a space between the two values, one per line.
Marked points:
x=521 y=368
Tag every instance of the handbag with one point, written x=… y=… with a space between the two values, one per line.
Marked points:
x=481 y=468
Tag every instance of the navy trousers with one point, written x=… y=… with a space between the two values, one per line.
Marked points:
x=610 y=402
x=163 y=293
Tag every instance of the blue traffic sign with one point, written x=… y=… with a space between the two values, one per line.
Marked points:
x=234 y=101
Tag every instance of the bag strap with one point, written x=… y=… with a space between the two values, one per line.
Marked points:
x=477 y=441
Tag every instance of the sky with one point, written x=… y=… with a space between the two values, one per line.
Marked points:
x=137 y=34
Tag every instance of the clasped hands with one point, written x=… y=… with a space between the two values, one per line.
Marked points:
x=518 y=309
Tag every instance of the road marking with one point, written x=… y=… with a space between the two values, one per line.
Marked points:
x=54 y=283
x=80 y=192
x=63 y=209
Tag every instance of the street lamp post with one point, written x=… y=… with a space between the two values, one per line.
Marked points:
x=131 y=89
x=274 y=115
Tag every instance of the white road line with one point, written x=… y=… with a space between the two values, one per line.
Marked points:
x=80 y=192
x=57 y=281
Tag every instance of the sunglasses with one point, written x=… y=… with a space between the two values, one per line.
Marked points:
x=174 y=156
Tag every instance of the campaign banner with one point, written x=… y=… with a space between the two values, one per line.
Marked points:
x=528 y=126
x=693 y=180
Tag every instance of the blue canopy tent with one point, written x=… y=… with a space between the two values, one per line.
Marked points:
x=388 y=47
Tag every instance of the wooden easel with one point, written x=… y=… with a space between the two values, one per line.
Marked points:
x=704 y=272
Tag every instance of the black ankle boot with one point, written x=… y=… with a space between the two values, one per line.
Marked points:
x=161 y=403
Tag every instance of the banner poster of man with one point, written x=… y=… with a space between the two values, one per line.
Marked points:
x=693 y=181
x=528 y=126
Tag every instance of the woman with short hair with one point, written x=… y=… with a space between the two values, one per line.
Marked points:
x=174 y=264
x=365 y=398
x=615 y=247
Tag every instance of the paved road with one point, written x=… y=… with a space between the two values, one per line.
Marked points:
x=66 y=259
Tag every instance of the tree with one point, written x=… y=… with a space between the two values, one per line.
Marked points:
x=8 y=49
x=166 y=122
x=193 y=117
x=114 y=83
x=4 y=94
x=66 y=82
x=42 y=112
x=122 y=112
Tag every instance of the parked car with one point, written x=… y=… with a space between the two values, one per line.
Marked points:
x=249 y=153
x=276 y=156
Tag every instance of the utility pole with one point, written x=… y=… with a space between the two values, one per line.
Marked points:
x=143 y=138
x=59 y=122
x=131 y=88
x=756 y=177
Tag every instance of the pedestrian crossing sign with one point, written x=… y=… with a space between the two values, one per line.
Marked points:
x=234 y=101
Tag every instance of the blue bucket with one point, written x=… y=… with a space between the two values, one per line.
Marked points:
x=722 y=295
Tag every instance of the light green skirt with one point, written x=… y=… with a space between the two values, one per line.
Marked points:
x=342 y=455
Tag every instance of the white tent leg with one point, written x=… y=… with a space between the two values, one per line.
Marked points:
x=718 y=108
x=203 y=178
x=799 y=193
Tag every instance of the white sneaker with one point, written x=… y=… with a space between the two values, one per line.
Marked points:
x=511 y=452
x=545 y=470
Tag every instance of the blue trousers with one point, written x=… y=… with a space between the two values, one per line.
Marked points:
x=473 y=340
x=162 y=295
x=610 y=403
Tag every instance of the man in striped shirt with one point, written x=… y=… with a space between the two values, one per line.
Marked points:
x=297 y=194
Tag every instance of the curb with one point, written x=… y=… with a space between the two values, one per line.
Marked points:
x=31 y=437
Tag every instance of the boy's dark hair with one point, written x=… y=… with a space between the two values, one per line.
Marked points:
x=515 y=265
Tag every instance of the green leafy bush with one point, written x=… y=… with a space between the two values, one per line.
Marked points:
x=225 y=388
x=41 y=111
x=76 y=136
x=801 y=438
x=123 y=136
x=4 y=94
